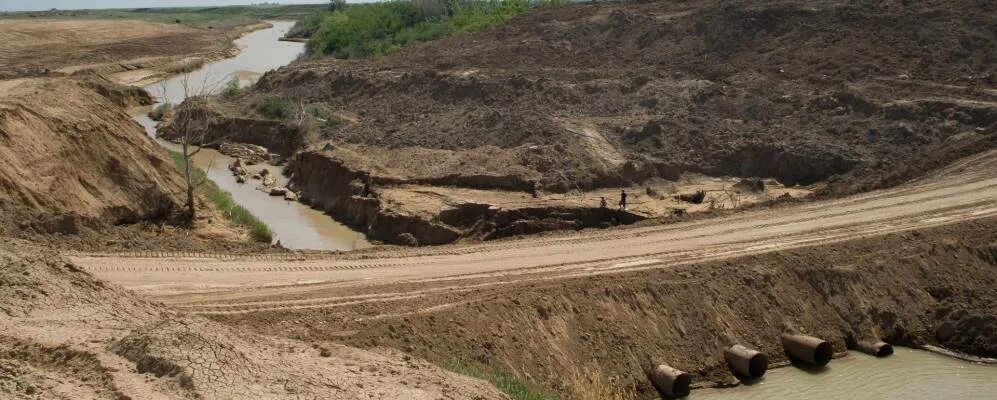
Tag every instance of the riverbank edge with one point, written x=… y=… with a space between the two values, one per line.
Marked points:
x=231 y=51
x=257 y=230
x=957 y=354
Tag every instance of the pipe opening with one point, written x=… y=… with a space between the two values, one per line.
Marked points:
x=758 y=365
x=823 y=354
x=884 y=350
x=670 y=382
x=681 y=386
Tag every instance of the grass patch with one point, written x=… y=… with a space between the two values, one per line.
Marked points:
x=233 y=212
x=275 y=107
x=503 y=381
x=197 y=17
x=363 y=30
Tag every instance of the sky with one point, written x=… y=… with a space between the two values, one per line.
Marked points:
x=36 y=5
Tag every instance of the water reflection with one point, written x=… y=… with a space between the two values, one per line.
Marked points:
x=907 y=374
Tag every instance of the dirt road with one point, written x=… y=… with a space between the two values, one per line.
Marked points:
x=963 y=191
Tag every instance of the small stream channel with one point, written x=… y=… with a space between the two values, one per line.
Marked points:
x=295 y=225
x=908 y=374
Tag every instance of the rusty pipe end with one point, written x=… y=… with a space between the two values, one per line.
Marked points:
x=745 y=362
x=808 y=349
x=670 y=382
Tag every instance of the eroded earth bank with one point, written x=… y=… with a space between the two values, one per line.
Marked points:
x=522 y=128
x=929 y=286
x=861 y=136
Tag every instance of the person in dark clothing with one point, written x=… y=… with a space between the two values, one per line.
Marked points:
x=623 y=199
x=366 y=186
x=602 y=202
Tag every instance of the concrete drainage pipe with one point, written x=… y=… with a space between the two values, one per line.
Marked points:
x=747 y=363
x=808 y=349
x=878 y=349
x=670 y=382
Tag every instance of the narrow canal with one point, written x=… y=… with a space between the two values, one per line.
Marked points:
x=295 y=225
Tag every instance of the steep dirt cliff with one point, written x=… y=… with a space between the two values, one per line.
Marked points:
x=411 y=211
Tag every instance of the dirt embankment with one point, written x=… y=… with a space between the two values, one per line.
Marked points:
x=69 y=148
x=601 y=95
x=68 y=335
x=930 y=286
x=392 y=216
x=845 y=97
x=78 y=172
x=131 y=52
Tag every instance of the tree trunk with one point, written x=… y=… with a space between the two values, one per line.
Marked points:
x=191 y=213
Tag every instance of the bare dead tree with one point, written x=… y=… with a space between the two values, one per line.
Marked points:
x=188 y=128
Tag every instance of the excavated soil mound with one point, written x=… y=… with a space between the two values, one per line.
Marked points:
x=604 y=94
x=68 y=335
x=72 y=156
x=834 y=95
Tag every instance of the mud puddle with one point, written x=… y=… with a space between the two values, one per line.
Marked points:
x=295 y=225
x=907 y=374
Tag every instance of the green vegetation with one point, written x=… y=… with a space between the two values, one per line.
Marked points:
x=223 y=200
x=161 y=111
x=232 y=89
x=503 y=381
x=275 y=107
x=307 y=26
x=323 y=115
x=372 y=29
x=197 y=17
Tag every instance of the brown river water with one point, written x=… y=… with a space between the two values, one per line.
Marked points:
x=908 y=374
x=295 y=225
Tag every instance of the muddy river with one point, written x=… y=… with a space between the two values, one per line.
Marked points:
x=295 y=225
x=908 y=374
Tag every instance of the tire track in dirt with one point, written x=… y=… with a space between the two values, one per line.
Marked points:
x=608 y=266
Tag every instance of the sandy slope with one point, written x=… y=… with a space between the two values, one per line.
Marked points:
x=67 y=335
x=69 y=147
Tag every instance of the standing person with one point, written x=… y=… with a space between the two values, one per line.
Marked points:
x=602 y=202
x=366 y=185
x=623 y=199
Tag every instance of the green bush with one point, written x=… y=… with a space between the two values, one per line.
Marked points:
x=232 y=88
x=379 y=28
x=275 y=107
x=307 y=26
x=503 y=381
x=233 y=212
